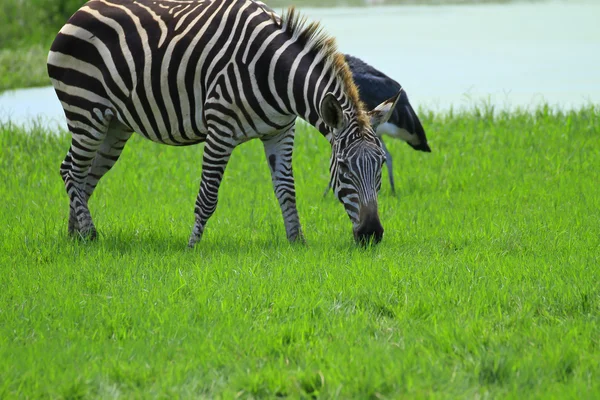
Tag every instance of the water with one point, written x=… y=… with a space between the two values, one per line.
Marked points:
x=32 y=106
x=507 y=55
x=510 y=55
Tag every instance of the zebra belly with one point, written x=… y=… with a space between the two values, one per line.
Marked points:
x=172 y=137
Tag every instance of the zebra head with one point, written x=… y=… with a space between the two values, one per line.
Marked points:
x=355 y=166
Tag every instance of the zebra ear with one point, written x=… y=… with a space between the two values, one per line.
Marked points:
x=380 y=114
x=331 y=112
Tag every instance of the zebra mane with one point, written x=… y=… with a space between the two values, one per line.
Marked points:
x=312 y=35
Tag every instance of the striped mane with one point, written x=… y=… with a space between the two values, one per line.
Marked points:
x=312 y=35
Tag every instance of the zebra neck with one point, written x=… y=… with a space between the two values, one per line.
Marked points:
x=306 y=90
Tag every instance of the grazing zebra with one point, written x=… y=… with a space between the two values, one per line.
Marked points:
x=222 y=72
x=404 y=124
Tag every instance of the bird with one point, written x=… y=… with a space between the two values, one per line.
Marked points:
x=375 y=87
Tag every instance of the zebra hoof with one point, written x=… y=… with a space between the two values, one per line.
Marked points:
x=297 y=239
x=193 y=241
x=73 y=227
x=195 y=236
x=84 y=234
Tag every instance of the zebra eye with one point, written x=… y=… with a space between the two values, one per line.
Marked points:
x=343 y=166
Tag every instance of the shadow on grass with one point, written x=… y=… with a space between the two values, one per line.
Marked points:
x=163 y=243
x=153 y=242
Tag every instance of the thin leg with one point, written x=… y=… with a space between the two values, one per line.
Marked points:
x=278 y=150
x=74 y=170
x=388 y=163
x=327 y=189
x=107 y=156
x=65 y=169
x=214 y=161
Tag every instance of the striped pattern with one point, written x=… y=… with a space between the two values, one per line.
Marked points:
x=219 y=72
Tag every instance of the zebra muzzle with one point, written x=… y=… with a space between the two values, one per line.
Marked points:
x=369 y=229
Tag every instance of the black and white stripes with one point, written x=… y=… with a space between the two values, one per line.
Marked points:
x=220 y=72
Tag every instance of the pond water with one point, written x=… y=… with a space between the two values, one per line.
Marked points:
x=514 y=54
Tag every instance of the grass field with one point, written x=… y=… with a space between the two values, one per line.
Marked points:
x=486 y=283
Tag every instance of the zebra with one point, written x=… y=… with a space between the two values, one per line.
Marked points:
x=221 y=72
x=374 y=86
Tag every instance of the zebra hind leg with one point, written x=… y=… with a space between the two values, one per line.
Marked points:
x=65 y=167
x=87 y=137
x=107 y=155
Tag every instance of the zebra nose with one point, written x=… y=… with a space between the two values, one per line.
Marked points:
x=369 y=231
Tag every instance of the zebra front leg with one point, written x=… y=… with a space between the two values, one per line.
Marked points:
x=388 y=163
x=215 y=158
x=278 y=150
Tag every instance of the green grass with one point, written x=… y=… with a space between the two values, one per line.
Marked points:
x=486 y=283
x=33 y=22
x=23 y=68
x=28 y=29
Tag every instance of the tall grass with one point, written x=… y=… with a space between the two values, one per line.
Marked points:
x=28 y=29
x=33 y=22
x=485 y=285
x=24 y=67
